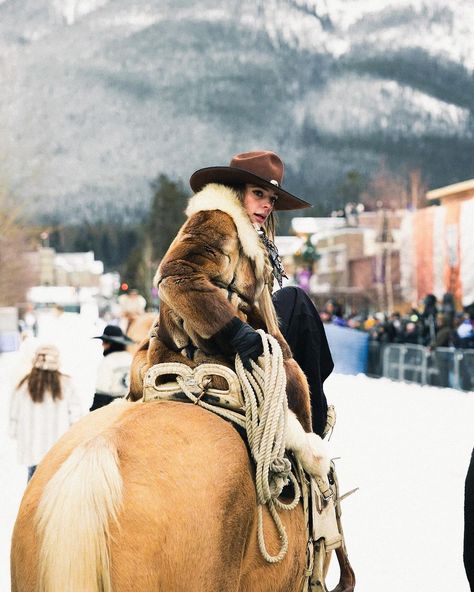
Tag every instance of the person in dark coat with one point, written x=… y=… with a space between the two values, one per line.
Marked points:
x=444 y=335
x=469 y=524
x=428 y=318
x=410 y=333
x=448 y=307
x=303 y=329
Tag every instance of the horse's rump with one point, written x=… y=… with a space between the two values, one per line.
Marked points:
x=186 y=509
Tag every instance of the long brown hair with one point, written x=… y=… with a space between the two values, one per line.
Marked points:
x=44 y=377
x=41 y=382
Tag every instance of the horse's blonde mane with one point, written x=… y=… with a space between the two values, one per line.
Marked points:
x=73 y=519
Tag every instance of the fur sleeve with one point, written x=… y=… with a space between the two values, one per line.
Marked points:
x=203 y=257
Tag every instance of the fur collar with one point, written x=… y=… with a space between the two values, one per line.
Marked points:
x=220 y=197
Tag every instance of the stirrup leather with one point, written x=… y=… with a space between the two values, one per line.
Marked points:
x=325 y=534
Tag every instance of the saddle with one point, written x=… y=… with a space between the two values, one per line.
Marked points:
x=177 y=382
x=165 y=382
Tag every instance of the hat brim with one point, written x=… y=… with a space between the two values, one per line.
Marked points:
x=111 y=339
x=233 y=175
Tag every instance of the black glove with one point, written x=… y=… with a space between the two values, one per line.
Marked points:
x=243 y=340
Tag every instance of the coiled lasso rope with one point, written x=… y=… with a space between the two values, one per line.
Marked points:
x=266 y=411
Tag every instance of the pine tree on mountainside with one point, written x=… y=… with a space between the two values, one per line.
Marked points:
x=351 y=188
x=138 y=270
x=155 y=235
x=111 y=242
x=166 y=214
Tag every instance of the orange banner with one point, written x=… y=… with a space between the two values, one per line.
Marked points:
x=452 y=281
x=423 y=247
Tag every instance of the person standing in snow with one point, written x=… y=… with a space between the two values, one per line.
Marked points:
x=43 y=406
x=132 y=306
x=114 y=370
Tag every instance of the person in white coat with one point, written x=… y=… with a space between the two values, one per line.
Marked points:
x=132 y=306
x=43 y=407
x=113 y=373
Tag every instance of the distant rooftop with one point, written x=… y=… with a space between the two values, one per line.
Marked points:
x=452 y=190
x=307 y=225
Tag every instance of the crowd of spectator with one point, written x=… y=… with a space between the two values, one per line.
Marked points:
x=438 y=324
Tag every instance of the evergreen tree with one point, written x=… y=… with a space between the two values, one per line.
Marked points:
x=134 y=250
x=112 y=243
x=351 y=188
x=155 y=236
x=166 y=214
x=138 y=271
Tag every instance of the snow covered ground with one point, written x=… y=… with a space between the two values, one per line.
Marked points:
x=407 y=447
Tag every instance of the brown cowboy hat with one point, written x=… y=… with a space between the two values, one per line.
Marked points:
x=262 y=168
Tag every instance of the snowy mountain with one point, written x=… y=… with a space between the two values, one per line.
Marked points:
x=99 y=97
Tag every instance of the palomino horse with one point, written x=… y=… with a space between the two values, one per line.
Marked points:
x=155 y=496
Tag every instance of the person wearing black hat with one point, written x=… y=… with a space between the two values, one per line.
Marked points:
x=114 y=371
x=216 y=281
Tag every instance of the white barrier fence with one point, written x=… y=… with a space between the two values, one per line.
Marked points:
x=444 y=366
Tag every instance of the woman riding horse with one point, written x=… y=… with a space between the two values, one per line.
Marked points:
x=216 y=280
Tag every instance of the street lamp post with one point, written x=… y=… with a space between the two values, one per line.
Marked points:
x=385 y=240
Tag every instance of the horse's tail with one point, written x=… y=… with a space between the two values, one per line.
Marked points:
x=73 y=519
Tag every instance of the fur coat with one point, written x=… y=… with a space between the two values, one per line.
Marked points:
x=215 y=269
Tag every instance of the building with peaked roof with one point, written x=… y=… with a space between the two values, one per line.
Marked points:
x=458 y=192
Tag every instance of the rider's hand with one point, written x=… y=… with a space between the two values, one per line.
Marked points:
x=243 y=340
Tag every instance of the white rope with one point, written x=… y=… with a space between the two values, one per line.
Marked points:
x=266 y=410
